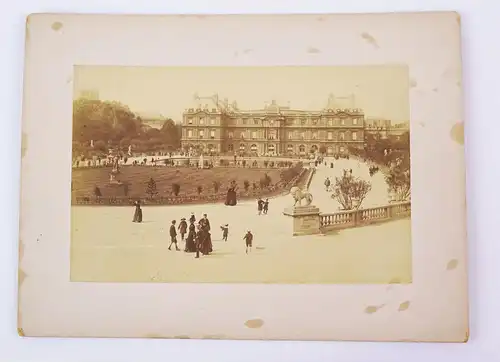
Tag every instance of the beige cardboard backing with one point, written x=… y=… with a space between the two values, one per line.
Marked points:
x=432 y=308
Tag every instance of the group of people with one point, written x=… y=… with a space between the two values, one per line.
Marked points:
x=262 y=206
x=199 y=238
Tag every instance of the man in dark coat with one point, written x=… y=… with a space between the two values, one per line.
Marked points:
x=248 y=240
x=173 y=236
x=192 y=218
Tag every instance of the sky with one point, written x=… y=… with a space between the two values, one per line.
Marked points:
x=381 y=91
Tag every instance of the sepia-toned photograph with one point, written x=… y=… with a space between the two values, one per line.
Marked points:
x=291 y=174
x=294 y=167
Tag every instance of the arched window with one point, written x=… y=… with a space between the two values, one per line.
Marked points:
x=210 y=148
x=314 y=148
x=271 y=148
x=253 y=148
x=230 y=147
x=242 y=147
x=302 y=149
x=289 y=148
x=329 y=150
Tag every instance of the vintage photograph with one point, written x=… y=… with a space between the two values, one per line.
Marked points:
x=241 y=174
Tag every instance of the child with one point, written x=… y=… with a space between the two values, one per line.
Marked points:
x=173 y=236
x=266 y=206
x=183 y=228
x=260 y=205
x=248 y=240
x=225 y=231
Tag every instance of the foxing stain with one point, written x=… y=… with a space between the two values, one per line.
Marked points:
x=24 y=144
x=214 y=336
x=421 y=124
x=56 y=26
x=404 y=306
x=313 y=50
x=21 y=276
x=20 y=332
x=246 y=51
x=457 y=133
x=452 y=264
x=373 y=308
x=254 y=323
x=413 y=83
x=435 y=90
x=153 y=336
x=370 y=39
x=320 y=18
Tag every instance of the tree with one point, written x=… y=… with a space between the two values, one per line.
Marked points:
x=265 y=181
x=176 y=188
x=398 y=178
x=216 y=185
x=97 y=191
x=322 y=149
x=350 y=191
x=246 y=185
x=151 y=188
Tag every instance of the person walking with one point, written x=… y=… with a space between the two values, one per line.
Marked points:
x=225 y=231
x=265 y=208
x=173 y=237
x=260 y=205
x=183 y=228
x=192 y=218
x=327 y=184
x=248 y=240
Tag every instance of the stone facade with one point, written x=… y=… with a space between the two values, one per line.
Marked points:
x=273 y=130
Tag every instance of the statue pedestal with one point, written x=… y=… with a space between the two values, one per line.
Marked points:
x=305 y=219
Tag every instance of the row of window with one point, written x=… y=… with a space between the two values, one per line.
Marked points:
x=270 y=148
x=272 y=135
x=256 y=121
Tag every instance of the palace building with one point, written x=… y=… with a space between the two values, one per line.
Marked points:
x=222 y=128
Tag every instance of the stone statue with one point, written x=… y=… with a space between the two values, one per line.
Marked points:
x=298 y=195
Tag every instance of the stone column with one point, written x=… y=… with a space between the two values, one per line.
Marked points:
x=305 y=219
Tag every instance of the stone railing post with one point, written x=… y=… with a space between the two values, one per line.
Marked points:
x=306 y=220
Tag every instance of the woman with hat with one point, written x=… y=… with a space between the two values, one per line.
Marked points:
x=182 y=228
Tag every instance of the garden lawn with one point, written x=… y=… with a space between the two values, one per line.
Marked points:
x=84 y=180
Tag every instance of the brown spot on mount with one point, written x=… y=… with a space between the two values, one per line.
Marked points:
x=21 y=275
x=369 y=39
x=313 y=50
x=452 y=264
x=24 y=144
x=404 y=306
x=56 y=26
x=457 y=133
x=254 y=323
x=20 y=332
x=373 y=308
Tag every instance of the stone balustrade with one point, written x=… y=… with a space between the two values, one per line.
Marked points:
x=361 y=217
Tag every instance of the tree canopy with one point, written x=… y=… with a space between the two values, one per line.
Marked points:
x=104 y=124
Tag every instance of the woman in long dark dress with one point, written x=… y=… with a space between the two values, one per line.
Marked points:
x=191 y=239
x=231 y=195
x=138 y=212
